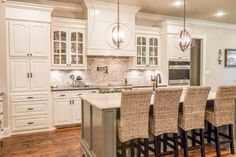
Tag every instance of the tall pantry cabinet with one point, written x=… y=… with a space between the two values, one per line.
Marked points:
x=28 y=64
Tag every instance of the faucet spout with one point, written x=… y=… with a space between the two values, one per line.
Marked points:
x=158 y=80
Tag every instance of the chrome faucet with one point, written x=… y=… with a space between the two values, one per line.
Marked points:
x=156 y=80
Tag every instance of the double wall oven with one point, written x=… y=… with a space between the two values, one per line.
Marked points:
x=179 y=72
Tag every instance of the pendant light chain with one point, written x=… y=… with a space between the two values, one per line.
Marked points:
x=184 y=14
x=118 y=22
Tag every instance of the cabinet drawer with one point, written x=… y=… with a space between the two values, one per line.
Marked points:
x=29 y=123
x=29 y=108
x=78 y=94
x=62 y=95
x=29 y=97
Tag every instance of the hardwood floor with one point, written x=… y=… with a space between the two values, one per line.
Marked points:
x=61 y=143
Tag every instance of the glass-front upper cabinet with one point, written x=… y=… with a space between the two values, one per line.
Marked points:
x=77 y=48
x=147 y=50
x=68 y=48
x=60 y=47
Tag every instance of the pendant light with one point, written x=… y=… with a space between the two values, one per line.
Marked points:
x=185 y=40
x=118 y=34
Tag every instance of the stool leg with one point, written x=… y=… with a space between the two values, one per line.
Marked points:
x=231 y=135
x=146 y=153
x=176 y=145
x=202 y=143
x=157 y=146
x=217 y=142
x=185 y=143
x=123 y=149
x=132 y=149
x=194 y=138
x=138 y=149
x=209 y=131
x=164 y=142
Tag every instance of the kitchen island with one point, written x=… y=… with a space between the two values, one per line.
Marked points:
x=99 y=119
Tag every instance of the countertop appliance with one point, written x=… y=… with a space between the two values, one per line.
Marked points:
x=179 y=72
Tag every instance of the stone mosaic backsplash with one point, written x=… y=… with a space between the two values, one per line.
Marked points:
x=118 y=71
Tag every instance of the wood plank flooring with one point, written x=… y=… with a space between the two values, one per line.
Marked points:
x=61 y=143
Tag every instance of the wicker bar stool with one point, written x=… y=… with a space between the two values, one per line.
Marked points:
x=133 y=124
x=165 y=120
x=192 y=118
x=222 y=114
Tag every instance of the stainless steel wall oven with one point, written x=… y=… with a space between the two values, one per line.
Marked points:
x=179 y=72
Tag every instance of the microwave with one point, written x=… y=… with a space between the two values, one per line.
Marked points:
x=179 y=72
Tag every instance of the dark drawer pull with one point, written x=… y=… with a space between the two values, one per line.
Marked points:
x=79 y=94
x=30 y=109
x=30 y=123
x=93 y=92
x=30 y=97
x=62 y=95
x=1 y=113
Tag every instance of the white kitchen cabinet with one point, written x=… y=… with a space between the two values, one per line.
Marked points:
x=148 y=48
x=29 y=39
x=19 y=38
x=174 y=51
x=62 y=112
x=170 y=32
x=76 y=109
x=20 y=75
x=39 y=39
x=67 y=107
x=39 y=73
x=68 y=45
x=29 y=75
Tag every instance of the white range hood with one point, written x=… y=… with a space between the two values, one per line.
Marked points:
x=101 y=17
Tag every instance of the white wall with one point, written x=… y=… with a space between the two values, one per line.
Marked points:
x=217 y=38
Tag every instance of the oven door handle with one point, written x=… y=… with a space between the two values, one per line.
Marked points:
x=179 y=67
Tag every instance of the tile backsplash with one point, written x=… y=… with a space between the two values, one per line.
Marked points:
x=118 y=71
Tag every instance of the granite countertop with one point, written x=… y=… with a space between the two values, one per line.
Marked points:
x=113 y=100
x=73 y=88
x=70 y=88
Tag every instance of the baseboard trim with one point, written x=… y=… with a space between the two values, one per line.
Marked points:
x=6 y=132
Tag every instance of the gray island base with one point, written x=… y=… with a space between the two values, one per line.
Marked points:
x=99 y=123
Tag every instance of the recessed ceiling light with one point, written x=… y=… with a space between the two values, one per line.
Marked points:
x=220 y=14
x=178 y=3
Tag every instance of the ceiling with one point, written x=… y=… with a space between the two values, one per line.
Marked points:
x=196 y=9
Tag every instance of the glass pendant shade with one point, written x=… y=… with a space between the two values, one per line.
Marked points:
x=118 y=35
x=185 y=40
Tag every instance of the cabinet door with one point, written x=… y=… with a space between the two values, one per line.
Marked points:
x=20 y=80
x=39 y=39
x=76 y=48
x=141 y=50
x=174 y=49
x=60 y=48
x=153 y=51
x=76 y=111
x=19 y=38
x=62 y=112
x=39 y=74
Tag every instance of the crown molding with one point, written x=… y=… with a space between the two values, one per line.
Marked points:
x=91 y=4
x=31 y=6
x=63 y=6
x=157 y=19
